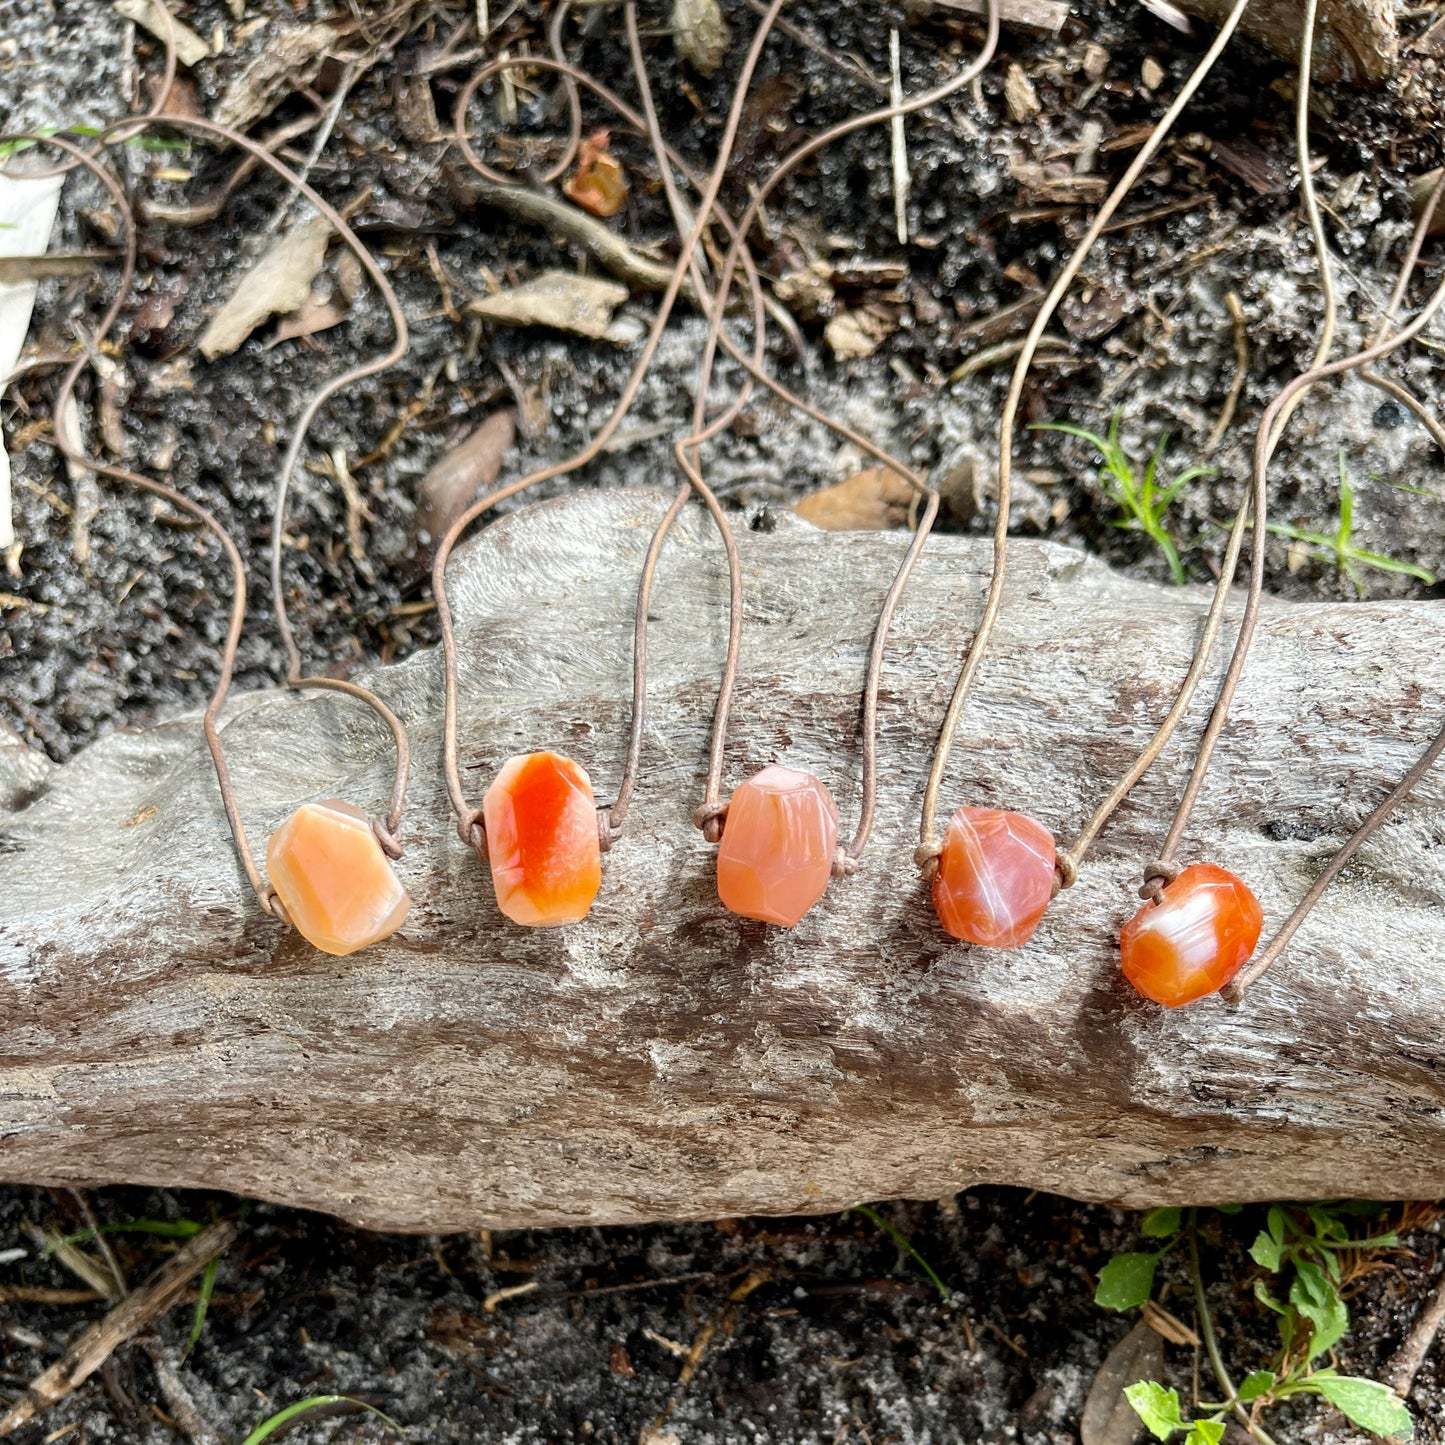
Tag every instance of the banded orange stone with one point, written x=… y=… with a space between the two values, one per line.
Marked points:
x=995 y=877
x=1191 y=942
x=542 y=842
x=330 y=873
x=777 y=848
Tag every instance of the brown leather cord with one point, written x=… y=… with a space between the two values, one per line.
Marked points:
x=928 y=850
x=469 y=821
x=711 y=814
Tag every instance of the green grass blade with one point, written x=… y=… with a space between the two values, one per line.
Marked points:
x=273 y=1423
x=906 y=1245
x=1069 y=429
x=203 y=1303
x=165 y=1228
x=1393 y=564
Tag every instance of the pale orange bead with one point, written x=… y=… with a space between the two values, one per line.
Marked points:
x=542 y=840
x=1194 y=939
x=333 y=879
x=995 y=877
x=778 y=845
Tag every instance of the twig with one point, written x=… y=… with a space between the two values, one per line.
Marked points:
x=107 y=1253
x=318 y=144
x=77 y=1261
x=1241 y=371
x=900 y=145
x=179 y=1400
x=123 y=1323
x=1411 y=1355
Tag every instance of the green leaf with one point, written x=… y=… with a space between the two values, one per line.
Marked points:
x=1205 y=1432
x=203 y=1303
x=1368 y=1403
x=1314 y=1295
x=1266 y=1252
x=1230 y=1208
x=1157 y=1407
x=1161 y=1223
x=1126 y=1281
x=1255 y=1384
x=273 y=1423
x=1276 y=1223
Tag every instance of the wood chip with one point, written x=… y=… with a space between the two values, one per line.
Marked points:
x=454 y=482
x=1019 y=92
x=1108 y=1417
x=559 y=299
x=1031 y=14
x=855 y=334
x=146 y=13
x=1151 y=73
x=875 y=500
x=287 y=61
x=278 y=283
x=701 y=34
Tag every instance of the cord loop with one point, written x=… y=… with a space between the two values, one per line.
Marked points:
x=711 y=818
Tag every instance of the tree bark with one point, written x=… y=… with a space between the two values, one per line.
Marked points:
x=666 y=1060
x=1356 y=41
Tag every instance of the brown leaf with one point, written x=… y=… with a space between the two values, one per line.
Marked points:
x=876 y=500
x=457 y=479
x=286 y=62
x=190 y=48
x=559 y=299
x=1109 y=1418
x=311 y=316
x=278 y=283
x=598 y=183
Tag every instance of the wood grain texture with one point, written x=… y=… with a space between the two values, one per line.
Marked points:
x=664 y=1060
x=1356 y=41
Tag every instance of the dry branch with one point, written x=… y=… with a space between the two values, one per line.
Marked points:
x=666 y=1060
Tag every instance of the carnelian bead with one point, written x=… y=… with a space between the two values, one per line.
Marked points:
x=542 y=841
x=1194 y=939
x=777 y=848
x=995 y=877
x=337 y=886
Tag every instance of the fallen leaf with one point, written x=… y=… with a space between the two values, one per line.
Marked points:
x=854 y=334
x=808 y=292
x=598 y=183
x=876 y=500
x=279 y=282
x=146 y=13
x=316 y=313
x=455 y=481
x=581 y=304
x=27 y=213
x=1109 y=1418
x=701 y=34
x=286 y=62
x=17 y=269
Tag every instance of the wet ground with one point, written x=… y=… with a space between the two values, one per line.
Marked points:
x=835 y=1334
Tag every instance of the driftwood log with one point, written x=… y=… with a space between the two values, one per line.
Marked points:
x=665 y=1060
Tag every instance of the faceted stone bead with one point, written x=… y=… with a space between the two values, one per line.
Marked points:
x=777 y=848
x=1194 y=939
x=995 y=877
x=542 y=842
x=335 y=882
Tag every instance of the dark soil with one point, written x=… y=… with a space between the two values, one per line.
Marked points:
x=842 y=1338
x=817 y=1330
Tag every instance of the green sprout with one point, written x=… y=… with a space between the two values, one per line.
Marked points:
x=326 y=1404
x=1301 y=1245
x=1340 y=547
x=906 y=1245
x=1142 y=500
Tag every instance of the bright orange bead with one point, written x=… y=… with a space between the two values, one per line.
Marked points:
x=777 y=848
x=1194 y=939
x=995 y=877
x=542 y=841
x=329 y=872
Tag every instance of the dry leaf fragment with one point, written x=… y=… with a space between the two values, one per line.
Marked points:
x=456 y=480
x=1019 y=92
x=287 y=62
x=1151 y=73
x=808 y=292
x=1108 y=1417
x=189 y=46
x=598 y=184
x=855 y=334
x=314 y=315
x=581 y=304
x=701 y=34
x=875 y=500
x=278 y=283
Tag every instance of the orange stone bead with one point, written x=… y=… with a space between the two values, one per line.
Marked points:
x=777 y=848
x=1194 y=939
x=330 y=873
x=542 y=842
x=995 y=877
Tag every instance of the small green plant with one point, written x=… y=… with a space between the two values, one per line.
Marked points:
x=1143 y=500
x=1340 y=546
x=330 y=1404
x=906 y=1245
x=1304 y=1247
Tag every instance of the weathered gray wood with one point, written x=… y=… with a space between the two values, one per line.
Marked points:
x=665 y=1060
x=1356 y=41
